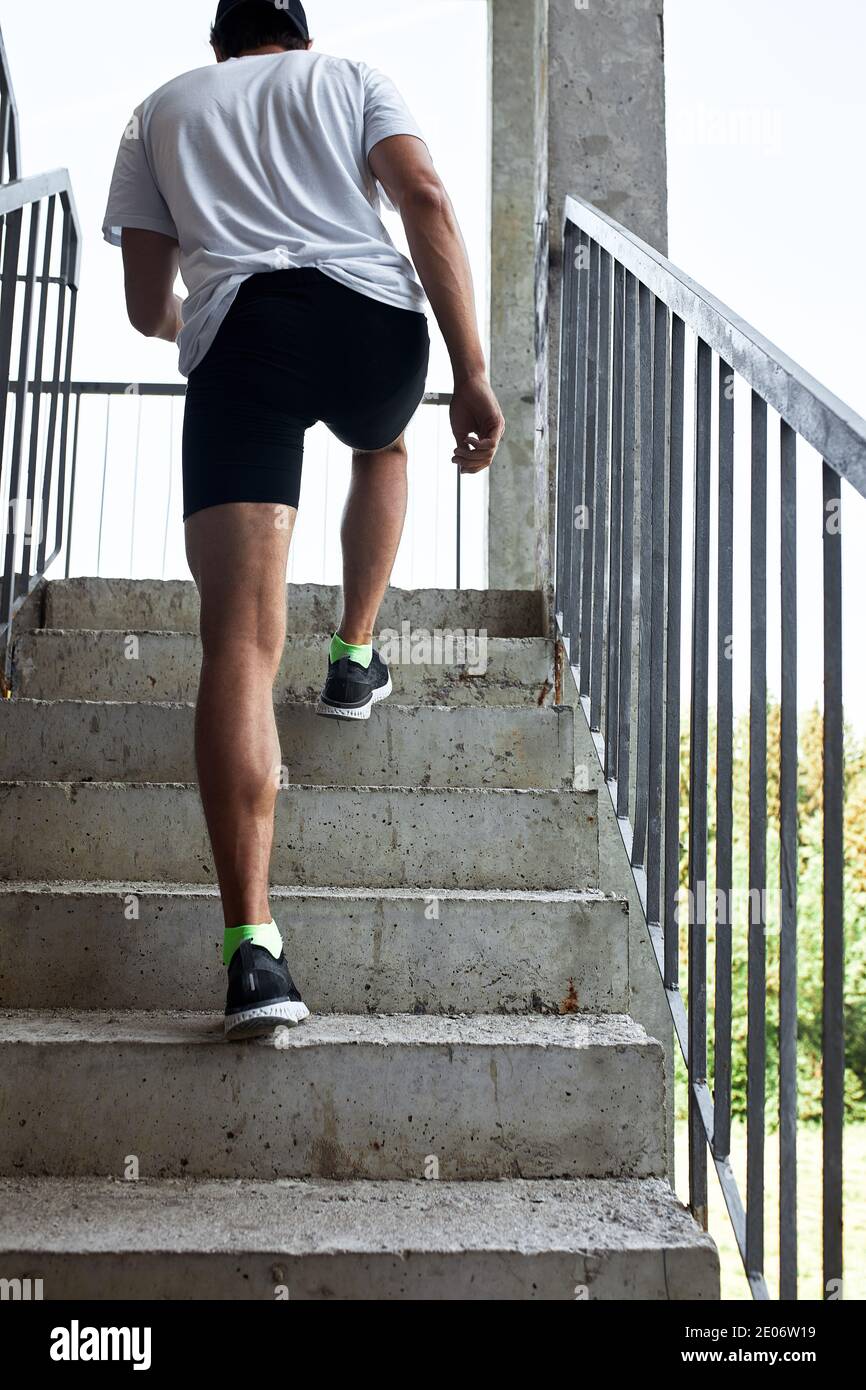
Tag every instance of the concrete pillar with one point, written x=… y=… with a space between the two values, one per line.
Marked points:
x=605 y=138
x=518 y=494
x=578 y=107
x=577 y=92
x=605 y=134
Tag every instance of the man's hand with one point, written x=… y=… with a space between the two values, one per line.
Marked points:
x=478 y=424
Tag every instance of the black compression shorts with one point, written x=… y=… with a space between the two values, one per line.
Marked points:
x=296 y=347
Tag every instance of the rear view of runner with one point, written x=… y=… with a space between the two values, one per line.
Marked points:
x=259 y=179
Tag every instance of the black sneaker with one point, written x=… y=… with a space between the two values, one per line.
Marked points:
x=262 y=994
x=351 y=691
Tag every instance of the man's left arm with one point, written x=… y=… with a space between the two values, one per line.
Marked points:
x=150 y=266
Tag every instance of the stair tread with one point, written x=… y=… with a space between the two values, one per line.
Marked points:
x=319 y=640
x=175 y=1027
x=80 y=887
x=296 y=1216
x=318 y=787
x=551 y=713
x=309 y=606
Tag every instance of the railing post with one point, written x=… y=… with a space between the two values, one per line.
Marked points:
x=723 y=914
x=611 y=703
x=698 y=771
x=626 y=612
x=588 y=498
x=833 y=1021
x=756 y=1046
x=788 y=873
x=644 y=463
x=600 y=499
x=657 y=615
x=674 y=653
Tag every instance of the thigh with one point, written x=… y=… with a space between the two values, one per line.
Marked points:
x=248 y=406
x=236 y=449
x=238 y=555
x=382 y=375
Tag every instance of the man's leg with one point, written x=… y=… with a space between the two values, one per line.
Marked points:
x=238 y=554
x=373 y=524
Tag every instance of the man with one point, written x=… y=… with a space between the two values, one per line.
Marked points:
x=259 y=180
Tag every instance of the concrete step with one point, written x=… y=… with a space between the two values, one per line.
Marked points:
x=339 y=1097
x=173 y=606
x=325 y=836
x=351 y=951
x=593 y=1239
x=75 y=664
x=404 y=745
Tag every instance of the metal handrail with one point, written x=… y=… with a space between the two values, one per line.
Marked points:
x=620 y=470
x=836 y=431
x=36 y=467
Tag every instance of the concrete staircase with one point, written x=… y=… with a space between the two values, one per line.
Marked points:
x=469 y=1113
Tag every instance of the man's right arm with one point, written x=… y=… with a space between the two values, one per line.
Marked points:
x=403 y=166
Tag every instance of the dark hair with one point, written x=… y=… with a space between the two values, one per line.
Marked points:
x=253 y=26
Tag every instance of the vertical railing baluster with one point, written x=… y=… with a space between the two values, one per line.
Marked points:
x=657 y=614
x=645 y=454
x=458 y=576
x=599 y=518
x=723 y=913
x=588 y=494
x=5 y=124
x=57 y=387
x=104 y=482
x=674 y=656
x=833 y=1022
x=626 y=610
x=135 y=472
x=12 y=224
x=66 y=392
x=788 y=870
x=36 y=403
x=756 y=1046
x=170 y=489
x=73 y=476
x=578 y=461
x=14 y=499
x=611 y=705
x=698 y=776
x=565 y=433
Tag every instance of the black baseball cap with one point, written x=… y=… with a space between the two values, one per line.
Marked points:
x=292 y=9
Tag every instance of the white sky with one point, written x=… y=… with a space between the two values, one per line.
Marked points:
x=766 y=119
x=766 y=113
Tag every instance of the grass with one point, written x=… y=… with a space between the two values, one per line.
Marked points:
x=734 y=1283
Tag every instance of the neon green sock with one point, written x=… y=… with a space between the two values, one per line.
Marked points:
x=267 y=935
x=362 y=655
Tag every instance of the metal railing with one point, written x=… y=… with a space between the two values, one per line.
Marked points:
x=37 y=309
x=138 y=462
x=622 y=598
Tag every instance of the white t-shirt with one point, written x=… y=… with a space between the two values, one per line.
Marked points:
x=257 y=164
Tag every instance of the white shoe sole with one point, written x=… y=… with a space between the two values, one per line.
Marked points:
x=256 y=1023
x=362 y=712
